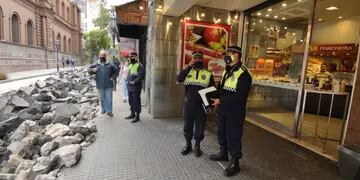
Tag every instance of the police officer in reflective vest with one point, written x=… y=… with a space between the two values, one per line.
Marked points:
x=195 y=78
x=134 y=83
x=233 y=93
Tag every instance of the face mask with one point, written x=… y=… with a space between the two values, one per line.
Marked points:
x=198 y=65
x=228 y=59
x=102 y=59
x=133 y=60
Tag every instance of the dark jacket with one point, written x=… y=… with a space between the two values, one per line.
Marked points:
x=192 y=91
x=134 y=82
x=235 y=102
x=103 y=74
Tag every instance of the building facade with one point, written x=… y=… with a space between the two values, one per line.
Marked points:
x=38 y=34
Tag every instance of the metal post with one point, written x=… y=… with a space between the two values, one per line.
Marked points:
x=57 y=58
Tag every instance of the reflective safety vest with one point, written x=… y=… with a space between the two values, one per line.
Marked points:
x=133 y=69
x=231 y=82
x=203 y=78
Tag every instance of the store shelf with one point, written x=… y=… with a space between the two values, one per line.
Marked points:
x=276 y=84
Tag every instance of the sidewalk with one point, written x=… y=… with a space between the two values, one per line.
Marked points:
x=151 y=150
x=30 y=74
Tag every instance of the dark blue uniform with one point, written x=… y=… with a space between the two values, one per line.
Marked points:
x=193 y=109
x=231 y=112
x=134 y=85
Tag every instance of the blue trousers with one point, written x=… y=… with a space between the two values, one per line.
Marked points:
x=106 y=98
x=230 y=129
x=135 y=100
x=194 y=115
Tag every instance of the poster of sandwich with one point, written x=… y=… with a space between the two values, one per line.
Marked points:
x=210 y=39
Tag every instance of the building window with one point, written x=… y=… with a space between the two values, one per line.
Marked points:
x=57 y=6
x=69 y=45
x=68 y=14
x=1 y=25
x=64 y=47
x=63 y=9
x=15 y=28
x=58 y=39
x=29 y=33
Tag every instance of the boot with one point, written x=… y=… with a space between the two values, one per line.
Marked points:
x=198 y=152
x=221 y=156
x=131 y=116
x=187 y=149
x=232 y=168
x=137 y=118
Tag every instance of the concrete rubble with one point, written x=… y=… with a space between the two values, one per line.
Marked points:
x=45 y=127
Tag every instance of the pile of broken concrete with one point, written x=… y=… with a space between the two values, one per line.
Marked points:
x=45 y=127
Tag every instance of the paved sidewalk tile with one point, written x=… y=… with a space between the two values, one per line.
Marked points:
x=150 y=150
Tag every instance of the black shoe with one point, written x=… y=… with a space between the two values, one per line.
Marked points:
x=198 y=152
x=187 y=149
x=137 y=118
x=110 y=114
x=233 y=167
x=221 y=156
x=131 y=116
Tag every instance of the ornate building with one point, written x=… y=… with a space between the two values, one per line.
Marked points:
x=32 y=31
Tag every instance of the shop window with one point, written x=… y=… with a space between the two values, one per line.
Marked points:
x=15 y=28
x=276 y=39
x=29 y=33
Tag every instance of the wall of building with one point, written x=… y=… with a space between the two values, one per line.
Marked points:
x=47 y=22
x=164 y=94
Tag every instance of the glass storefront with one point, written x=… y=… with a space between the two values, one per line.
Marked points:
x=302 y=81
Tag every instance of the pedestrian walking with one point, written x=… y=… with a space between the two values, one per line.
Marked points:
x=233 y=90
x=103 y=71
x=72 y=61
x=68 y=62
x=134 y=84
x=114 y=78
x=124 y=72
x=195 y=78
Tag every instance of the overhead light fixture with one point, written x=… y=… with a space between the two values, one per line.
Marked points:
x=202 y=15
x=169 y=23
x=285 y=27
x=253 y=24
x=251 y=29
x=259 y=14
x=276 y=17
x=340 y=17
x=260 y=21
x=283 y=4
x=187 y=18
x=236 y=16
x=299 y=0
x=332 y=8
x=141 y=8
x=294 y=34
x=284 y=18
x=160 y=6
x=270 y=9
x=320 y=19
x=267 y=15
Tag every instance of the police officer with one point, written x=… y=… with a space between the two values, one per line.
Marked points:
x=195 y=78
x=134 y=83
x=233 y=93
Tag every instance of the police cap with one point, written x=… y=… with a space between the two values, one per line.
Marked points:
x=197 y=54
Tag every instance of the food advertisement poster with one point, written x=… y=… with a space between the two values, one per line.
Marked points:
x=210 y=39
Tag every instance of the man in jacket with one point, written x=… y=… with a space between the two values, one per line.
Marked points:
x=104 y=71
x=134 y=84
x=195 y=78
x=233 y=92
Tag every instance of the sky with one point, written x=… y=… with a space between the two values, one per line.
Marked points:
x=117 y=2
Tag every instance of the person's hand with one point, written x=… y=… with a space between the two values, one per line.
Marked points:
x=216 y=102
x=191 y=63
x=94 y=70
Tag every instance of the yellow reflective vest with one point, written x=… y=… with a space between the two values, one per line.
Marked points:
x=231 y=82
x=203 y=78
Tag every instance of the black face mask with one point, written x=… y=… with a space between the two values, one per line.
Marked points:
x=102 y=59
x=198 y=65
x=228 y=60
x=133 y=60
